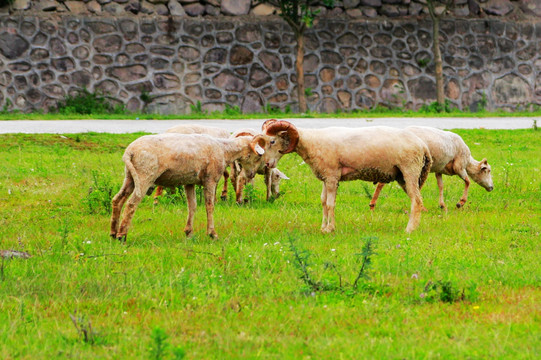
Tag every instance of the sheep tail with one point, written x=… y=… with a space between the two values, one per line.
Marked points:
x=130 y=169
x=426 y=168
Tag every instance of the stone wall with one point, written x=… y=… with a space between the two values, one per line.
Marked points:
x=249 y=62
x=512 y=9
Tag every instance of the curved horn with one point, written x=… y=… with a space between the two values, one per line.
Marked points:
x=277 y=126
x=267 y=123
x=244 y=133
x=257 y=144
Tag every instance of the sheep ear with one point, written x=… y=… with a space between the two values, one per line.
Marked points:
x=484 y=164
x=282 y=175
x=258 y=149
x=257 y=144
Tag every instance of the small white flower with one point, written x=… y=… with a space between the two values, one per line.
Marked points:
x=422 y=295
x=265 y=244
x=249 y=255
x=31 y=169
x=276 y=243
x=333 y=250
x=82 y=254
x=125 y=313
x=9 y=191
x=194 y=298
x=89 y=242
x=313 y=294
x=414 y=276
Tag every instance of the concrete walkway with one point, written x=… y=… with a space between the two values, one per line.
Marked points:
x=158 y=126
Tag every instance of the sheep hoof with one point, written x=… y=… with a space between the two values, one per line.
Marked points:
x=113 y=235
x=188 y=232
x=372 y=206
x=223 y=197
x=122 y=238
x=213 y=235
x=459 y=205
x=443 y=207
x=327 y=230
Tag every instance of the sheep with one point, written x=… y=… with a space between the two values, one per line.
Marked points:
x=376 y=154
x=198 y=129
x=273 y=177
x=451 y=156
x=176 y=159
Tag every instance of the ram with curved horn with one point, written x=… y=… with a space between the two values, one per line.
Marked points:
x=176 y=159
x=375 y=154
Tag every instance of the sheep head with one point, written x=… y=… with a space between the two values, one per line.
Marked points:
x=284 y=136
x=482 y=175
x=257 y=153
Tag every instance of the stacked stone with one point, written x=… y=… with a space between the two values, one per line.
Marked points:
x=351 y=8
x=248 y=62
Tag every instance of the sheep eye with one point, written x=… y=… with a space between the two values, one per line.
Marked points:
x=272 y=142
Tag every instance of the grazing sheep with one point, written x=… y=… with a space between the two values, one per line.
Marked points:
x=376 y=154
x=273 y=177
x=450 y=156
x=189 y=160
x=198 y=129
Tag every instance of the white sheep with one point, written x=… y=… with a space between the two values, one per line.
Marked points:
x=450 y=156
x=239 y=179
x=198 y=129
x=376 y=154
x=176 y=159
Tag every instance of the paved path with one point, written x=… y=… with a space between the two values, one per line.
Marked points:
x=158 y=126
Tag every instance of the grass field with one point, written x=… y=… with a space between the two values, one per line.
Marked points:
x=465 y=285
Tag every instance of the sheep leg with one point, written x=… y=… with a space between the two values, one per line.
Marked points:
x=376 y=195
x=239 y=187
x=268 y=183
x=411 y=187
x=224 y=190
x=439 y=178
x=330 y=188
x=210 y=198
x=157 y=194
x=324 y=206
x=119 y=200
x=464 y=176
x=192 y=206
x=131 y=206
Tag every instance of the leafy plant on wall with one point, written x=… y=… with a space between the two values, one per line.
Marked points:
x=300 y=16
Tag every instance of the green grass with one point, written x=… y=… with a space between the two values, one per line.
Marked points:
x=375 y=113
x=82 y=295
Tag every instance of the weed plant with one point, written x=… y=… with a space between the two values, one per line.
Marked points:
x=465 y=284
x=87 y=103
